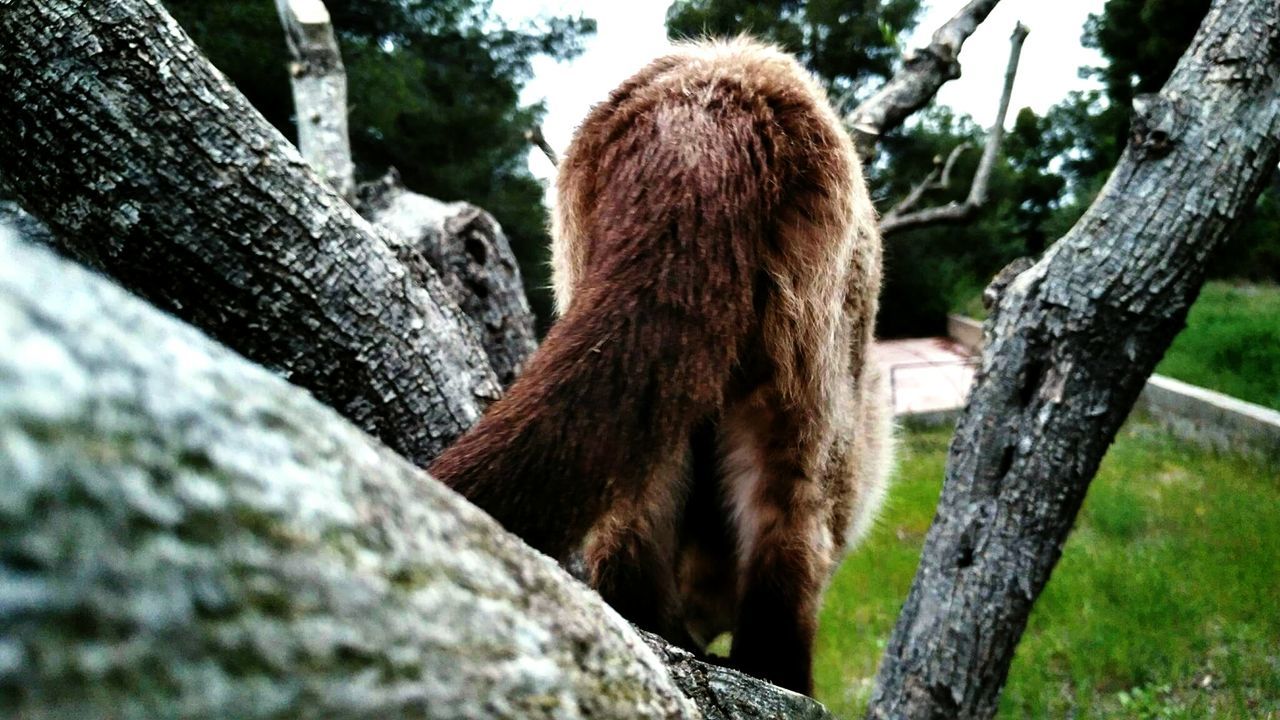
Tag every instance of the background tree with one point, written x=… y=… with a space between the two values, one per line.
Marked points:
x=434 y=91
x=1140 y=42
x=848 y=45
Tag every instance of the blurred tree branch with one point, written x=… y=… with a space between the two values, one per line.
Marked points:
x=319 y=83
x=924 y=71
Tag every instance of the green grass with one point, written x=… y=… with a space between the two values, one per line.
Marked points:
x=1166 y=603
x=1231 y=343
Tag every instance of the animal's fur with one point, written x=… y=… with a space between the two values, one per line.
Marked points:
x=705 y=409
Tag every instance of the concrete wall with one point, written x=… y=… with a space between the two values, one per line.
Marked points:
x=1188 y=411
x=965 y=331
x=1205 y=416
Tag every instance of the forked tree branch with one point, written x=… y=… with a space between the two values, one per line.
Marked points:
x=901 y=217
x=939 y=178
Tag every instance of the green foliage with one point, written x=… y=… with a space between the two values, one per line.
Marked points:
x=846 y=44
x=433 y=88
x=1161 y=607
x=1231 y=343
x=933 y=269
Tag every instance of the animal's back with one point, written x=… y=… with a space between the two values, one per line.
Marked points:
x=716 y=270
x=804 y=416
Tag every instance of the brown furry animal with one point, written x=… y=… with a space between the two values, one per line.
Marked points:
x=704 y=413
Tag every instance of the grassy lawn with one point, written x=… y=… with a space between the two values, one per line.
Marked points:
x=1231 y=343
x=1166 y=603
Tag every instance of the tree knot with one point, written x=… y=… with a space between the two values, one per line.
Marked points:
x=1158 y=122
x=991 y=295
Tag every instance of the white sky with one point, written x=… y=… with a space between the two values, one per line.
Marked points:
x=632 y=32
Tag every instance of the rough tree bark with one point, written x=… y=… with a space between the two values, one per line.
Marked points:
x=468 y=250
x=1069 y=345
x=463 y=244
x=924 y=71
x=903 y=216
x=146 y=163
x=185 y=535
x=17 y=220
x=319 y=84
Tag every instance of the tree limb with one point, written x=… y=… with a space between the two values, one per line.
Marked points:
x=463 y=244
x=1069 y=347
x=319 y=83
x=539 y=141
x=184 y=535
x=466 y=247
x=724 y=694
x=923 y=72
x=939 y=178
x=899 y=218
x=146 y=163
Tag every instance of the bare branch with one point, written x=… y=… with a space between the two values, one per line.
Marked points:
x=924 y=71
x=1069 y=346
x=939 y=178
x=898 y=219
x=950 y=165
x=319 y=92
x=981 y=180
x=539 y=141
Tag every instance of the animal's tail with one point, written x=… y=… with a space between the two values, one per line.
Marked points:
x=662 y=309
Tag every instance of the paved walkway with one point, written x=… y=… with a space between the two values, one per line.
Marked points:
x=927 y=375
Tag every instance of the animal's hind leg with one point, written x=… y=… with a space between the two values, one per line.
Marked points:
x=784 y=545
x=630 y=556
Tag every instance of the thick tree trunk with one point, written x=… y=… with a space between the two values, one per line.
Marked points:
x=1069 y=347
x=146 y=163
